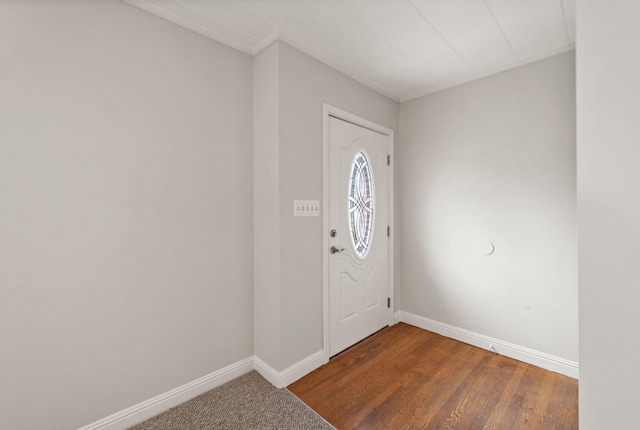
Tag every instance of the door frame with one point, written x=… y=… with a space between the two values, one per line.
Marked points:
x=332 y=111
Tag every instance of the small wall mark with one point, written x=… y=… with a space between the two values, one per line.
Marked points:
x=485 y=247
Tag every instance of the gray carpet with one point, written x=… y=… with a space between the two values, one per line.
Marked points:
x=249 y=402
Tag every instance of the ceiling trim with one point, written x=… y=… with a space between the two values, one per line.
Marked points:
x=306 y=50
x=265 y=43
x=435 y=89
x=189 y=25
x=141 y=4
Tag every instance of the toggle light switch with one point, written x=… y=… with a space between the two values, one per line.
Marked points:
x=306 y=208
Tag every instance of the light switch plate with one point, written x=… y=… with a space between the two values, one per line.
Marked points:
x=306 y=208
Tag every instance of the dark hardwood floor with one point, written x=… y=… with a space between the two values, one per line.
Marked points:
x=404 y=377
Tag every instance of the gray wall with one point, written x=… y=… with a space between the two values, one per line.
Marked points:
x=266 y=206
x=125 y=210
x=494 y=160
x=609 y=213
x=127 y=207
x=303 y=85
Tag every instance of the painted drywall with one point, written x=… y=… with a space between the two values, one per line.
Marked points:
x=266 y=207
x=609 y=212
x=303 y=84
x=494 y=160
x=125 y=210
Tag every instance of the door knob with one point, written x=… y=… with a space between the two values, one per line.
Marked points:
x=335 y=250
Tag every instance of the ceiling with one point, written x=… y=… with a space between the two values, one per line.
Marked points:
x=401 y=48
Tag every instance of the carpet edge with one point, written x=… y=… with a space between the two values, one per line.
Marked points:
x=142 y=411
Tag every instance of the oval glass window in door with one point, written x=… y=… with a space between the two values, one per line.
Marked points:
x=361 y=204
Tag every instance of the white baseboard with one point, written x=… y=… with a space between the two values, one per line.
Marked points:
x=396 y=317
x=291 y=373
x=142 y=411
x=527 y=355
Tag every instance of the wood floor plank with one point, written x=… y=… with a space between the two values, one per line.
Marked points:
x=520 y=412
x=373 y=374
x=407 y=378
x=468 y=406
x=381 y=384
x=434 y=397
x=558 y=408
x=403 y=400
x=494 y=421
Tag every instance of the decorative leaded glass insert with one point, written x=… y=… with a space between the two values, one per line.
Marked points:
x=361 y=204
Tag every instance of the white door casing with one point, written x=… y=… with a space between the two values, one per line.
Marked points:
x=358 y=283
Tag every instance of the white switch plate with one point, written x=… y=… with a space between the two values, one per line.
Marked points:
x=306 y=208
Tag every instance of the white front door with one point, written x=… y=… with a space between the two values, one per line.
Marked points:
x=358 y=210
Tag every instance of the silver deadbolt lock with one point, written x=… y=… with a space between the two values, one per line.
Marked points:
x=333 y=233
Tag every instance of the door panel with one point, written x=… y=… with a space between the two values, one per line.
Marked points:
x=358 y=212
x=348 y=297
x=373 y=290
